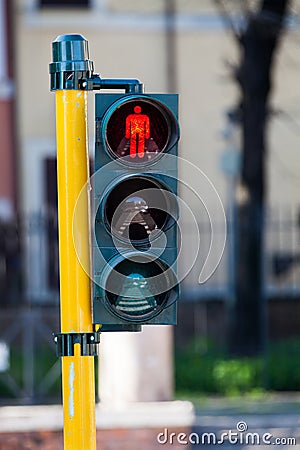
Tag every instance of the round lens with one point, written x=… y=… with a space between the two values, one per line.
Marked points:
x=138 y=297
x=136 y=208
x=139 y=130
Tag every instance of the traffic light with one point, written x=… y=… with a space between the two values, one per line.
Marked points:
x=136 y=210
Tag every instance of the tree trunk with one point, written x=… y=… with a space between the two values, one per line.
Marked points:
x=258 y=45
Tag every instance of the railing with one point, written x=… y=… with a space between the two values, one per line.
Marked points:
x=29 y=297
x=29 y=368
x=282 y=253
x=281 y=259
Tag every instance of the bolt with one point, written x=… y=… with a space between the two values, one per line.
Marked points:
x=84 y=84
x=92 y=338
x=55 y=339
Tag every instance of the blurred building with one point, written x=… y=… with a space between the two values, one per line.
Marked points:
x=181 y=47
x=8 y=167
x=171 y=46
x=165 y=49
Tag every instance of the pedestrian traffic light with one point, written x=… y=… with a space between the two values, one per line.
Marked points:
x=136 y=210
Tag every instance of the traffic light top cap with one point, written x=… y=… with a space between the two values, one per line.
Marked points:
x=70 y=37
x=71 y=62
x=70 y=47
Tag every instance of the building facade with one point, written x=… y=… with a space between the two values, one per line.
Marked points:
x=183 y=49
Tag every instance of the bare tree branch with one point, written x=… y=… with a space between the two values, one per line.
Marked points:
x=227 y=19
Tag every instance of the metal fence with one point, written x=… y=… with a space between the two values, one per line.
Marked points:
x=29 y=293
x=282 y=253
x=281 y=259
x=29 y=368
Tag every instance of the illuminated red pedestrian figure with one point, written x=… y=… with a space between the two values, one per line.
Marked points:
x=137 y=130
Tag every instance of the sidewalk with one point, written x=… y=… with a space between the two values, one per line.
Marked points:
x=124 y=427
x=137 y=426
x=273 y=420
x=284 y=403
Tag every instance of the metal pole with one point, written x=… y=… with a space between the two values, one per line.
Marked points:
x=171 y=47
x=70 y=61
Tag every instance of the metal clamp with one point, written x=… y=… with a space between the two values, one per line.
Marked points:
x=129 y=85
x=88 y=343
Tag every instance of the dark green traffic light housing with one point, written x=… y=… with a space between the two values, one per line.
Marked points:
x=135 y=187
x=136 y=210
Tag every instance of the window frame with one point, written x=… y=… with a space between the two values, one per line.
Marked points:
x=60 y=4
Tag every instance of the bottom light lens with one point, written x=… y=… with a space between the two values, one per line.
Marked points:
x=139 y=289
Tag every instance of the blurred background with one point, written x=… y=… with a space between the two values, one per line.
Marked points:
x=235 y=65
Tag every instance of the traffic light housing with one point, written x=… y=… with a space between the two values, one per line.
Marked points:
x=136 y=210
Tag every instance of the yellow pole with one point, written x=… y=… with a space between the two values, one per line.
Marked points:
x=78 y=383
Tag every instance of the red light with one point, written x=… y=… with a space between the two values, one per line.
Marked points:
x=137 y=130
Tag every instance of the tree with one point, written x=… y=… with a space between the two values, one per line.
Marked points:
x=257 y=45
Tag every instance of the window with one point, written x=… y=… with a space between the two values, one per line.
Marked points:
x=65 y=3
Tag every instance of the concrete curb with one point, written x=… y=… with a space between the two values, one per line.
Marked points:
x=150 y=414
x=132 y=415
